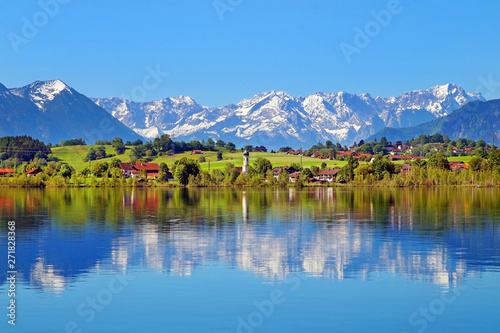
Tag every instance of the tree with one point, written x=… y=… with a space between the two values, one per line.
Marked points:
x=219 y=156
x=478 y=164
x=438 y=161
x=323 y=165
x=115 y=172
x=163 y=143
x=85 y=172
x=210 y=144
x=99 y=169
x=248 y=148
x=181 y=174
x=296 y=166
x=220 y=144
x=101 y=152
x=187 y=167
x=480 y=143
x=346 y=174
x=481 y=152
x=73 y=142
x=119 y=146
x=262 y=166
x=461 y=143
x=230 y=174
x=231 y=147
x=202 y=159
x=494 y=159
x=285 y=149
x=114 y=163
x=382 y=166
x=91 y=155
x=138 y=151
x=307 y=173
x=163 y=172
x=66 y=171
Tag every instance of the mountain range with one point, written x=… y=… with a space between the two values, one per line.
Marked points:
x=275 y=118
x=51 y=111
x=474 y=121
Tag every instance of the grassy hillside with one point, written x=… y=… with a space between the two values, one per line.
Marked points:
x=74 y=155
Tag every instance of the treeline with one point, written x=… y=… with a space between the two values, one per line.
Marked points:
x=432 y=172
x=20 y=149
x=187 y=172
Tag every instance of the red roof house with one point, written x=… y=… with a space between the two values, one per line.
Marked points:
x=328 y=174
x=134 y=169
x=6 y=172
x=33 y=172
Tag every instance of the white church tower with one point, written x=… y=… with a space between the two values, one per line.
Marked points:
x=245 y=162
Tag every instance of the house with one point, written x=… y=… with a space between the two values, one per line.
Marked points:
x=129 y=170
x=367 y=155
x=345 y=154
x=134 y=169
x=7 y=172
x=294 y=176
x=33 y=172
x=405 y=169
x=152 y=169
x=197 y=152
x=315 y=181
x=294 y=152
x=395 y=151
x=278 y=170
x=328 y=175
x=458 y=166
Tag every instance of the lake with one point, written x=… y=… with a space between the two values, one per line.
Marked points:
x=226 y=260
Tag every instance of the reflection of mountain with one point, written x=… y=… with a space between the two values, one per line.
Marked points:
x=321 y=232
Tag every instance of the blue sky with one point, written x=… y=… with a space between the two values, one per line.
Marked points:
x=222 y=51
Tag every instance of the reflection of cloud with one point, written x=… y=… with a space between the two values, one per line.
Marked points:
x=119 y=254
x=45 y=277
x=339 y=251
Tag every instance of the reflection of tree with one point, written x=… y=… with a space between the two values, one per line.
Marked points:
x=438 y=235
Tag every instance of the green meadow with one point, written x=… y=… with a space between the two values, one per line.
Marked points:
x=74 y=156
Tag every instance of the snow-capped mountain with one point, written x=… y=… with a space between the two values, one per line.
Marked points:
x=41 y=92
x=51 y=111
x=275 y=118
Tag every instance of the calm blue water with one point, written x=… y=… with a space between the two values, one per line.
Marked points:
x=232 y=261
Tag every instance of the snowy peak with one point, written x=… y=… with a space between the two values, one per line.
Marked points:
x=275 y=118
x=41 y=92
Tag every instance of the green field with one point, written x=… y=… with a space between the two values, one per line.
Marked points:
x=74 y=155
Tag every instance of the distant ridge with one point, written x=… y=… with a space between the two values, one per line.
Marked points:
x=474 y=121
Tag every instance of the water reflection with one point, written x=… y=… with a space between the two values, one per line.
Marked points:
x=442 y=236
